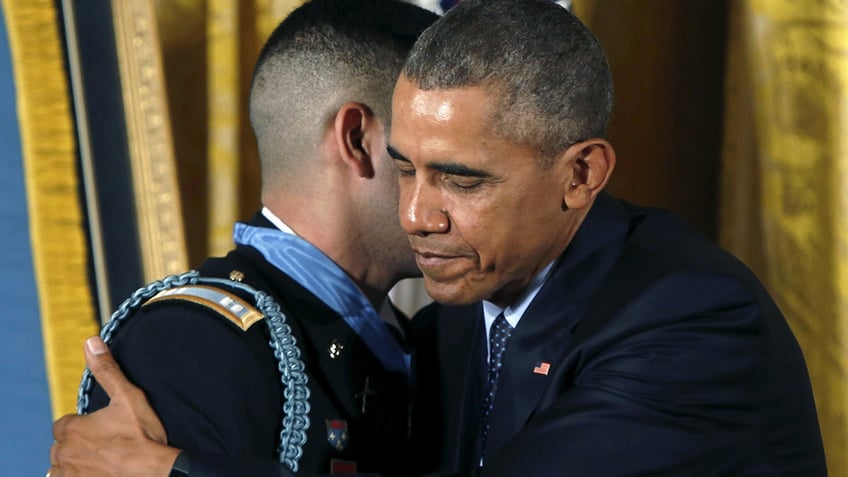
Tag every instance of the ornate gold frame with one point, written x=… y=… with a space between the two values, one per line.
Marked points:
x=154 y=171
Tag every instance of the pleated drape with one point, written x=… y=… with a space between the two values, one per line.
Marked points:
x=785 y=181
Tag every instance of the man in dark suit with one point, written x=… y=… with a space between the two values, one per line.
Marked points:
x=611 y=339
x=327 y=247
x=578 y=335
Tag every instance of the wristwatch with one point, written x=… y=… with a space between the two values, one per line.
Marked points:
x=181 y=467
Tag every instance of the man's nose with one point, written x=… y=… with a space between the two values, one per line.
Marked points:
x=421 y=210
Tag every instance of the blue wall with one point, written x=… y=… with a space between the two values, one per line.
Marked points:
x=25 y=419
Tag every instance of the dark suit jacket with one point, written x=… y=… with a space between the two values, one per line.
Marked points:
x=665 y=356
x=218 y=392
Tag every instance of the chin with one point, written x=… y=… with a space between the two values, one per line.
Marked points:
x=452 y=293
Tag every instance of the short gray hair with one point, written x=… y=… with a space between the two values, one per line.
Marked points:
x=547 y=68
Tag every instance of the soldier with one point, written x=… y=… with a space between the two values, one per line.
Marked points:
x=327 y=246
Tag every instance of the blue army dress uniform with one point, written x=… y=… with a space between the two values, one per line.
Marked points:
x=213 y=378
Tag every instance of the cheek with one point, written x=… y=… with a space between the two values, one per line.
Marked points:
x=502 y=250
x=484 y=229
x=511 y=231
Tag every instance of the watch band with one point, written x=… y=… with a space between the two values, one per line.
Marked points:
x=181 y=467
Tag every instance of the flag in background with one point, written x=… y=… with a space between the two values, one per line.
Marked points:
x=24 y=402
x=46 y=295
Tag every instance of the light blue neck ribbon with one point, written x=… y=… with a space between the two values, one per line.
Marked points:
x=314 y=271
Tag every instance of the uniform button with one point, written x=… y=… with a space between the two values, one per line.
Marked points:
x=335 y=349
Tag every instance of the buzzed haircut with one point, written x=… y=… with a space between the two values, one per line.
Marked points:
x=547 y=69
x=327 y=52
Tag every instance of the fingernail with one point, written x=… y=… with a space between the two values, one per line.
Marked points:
x=95 y=345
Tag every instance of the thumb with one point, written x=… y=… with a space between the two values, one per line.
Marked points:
x=125 y=399
x=105 y=369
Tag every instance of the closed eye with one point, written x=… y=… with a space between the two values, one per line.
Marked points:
x=466 y=184
x=405 y=168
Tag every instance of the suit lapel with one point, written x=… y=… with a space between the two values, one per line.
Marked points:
x=530 y=359
x=462 y=361
x=540 y=343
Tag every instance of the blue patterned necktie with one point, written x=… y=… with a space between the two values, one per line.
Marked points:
x=498 y=337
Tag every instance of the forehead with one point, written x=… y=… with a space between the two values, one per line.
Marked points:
x=450 y=129
x=437 y=117
x=441 y=105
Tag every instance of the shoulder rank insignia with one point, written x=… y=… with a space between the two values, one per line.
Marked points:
x=226 y=304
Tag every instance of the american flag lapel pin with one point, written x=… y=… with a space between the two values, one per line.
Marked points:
x=542 y=368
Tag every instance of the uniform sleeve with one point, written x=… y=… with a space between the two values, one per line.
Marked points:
x=214 y=386
x=680 y=382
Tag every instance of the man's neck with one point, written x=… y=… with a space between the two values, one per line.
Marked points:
x=344 y=259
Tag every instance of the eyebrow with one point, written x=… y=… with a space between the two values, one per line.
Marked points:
x=452 y=168
x=395 y=154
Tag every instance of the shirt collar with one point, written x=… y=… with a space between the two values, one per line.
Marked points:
x=514 y=312
x=278 y=222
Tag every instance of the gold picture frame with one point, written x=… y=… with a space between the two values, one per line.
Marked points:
x=124 y=82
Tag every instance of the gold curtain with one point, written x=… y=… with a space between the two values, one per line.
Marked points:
x=785 y=181
x=209 y=48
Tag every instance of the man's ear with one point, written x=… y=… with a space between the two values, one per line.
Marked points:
x=353 y=129
x=590 y=165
